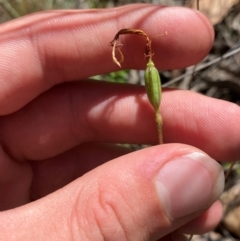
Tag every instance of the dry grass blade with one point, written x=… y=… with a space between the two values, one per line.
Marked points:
x=190 y=237
x=215 y=10
x=229 y=170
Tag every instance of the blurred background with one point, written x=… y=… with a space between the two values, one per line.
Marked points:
x=218 y=75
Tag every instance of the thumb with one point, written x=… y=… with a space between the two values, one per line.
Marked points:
x=141 y=196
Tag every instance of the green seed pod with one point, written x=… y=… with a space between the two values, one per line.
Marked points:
x=154 y=93
x=153 y=85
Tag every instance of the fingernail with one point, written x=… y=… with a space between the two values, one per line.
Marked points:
x=189 y=183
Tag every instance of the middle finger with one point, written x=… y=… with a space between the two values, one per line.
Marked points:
x=74 y=113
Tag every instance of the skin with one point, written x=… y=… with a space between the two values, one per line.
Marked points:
x=53 y=127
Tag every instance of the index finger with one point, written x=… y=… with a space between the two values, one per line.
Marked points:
x=45 y=49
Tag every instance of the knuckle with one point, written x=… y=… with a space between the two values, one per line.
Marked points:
x=107 y=215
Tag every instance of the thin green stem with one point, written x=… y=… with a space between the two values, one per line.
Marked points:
x=159 y=122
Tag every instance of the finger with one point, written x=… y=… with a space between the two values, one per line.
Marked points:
x=75 y=113
x=64 y=168
x=15 y=181
x=143 y=195
x=205 y=222
x=41 y=50
x=206 y=123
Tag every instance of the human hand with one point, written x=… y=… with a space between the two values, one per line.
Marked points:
x=53 y=129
